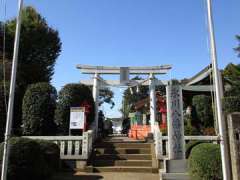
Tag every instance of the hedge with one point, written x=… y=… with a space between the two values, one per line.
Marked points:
x=51 y=154
x=189 y=146
x=39 y=104
x=231 y=104
x=30 y=159
x=205 y=162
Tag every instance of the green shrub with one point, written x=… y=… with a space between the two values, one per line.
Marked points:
x=25 y=161
x=39 y=104
x=189 y=146
x=28 y=159
x=231 y=104
x=205 y=162
x=51 y=154
x=204 y=110
x=72 y=95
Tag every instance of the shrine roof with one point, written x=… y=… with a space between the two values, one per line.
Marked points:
x=201 y=78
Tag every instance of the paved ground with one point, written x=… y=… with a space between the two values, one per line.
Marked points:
x=107 y=176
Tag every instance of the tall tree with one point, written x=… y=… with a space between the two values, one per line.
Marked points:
x=39 y=48
x=72 y=95
x=231 y=74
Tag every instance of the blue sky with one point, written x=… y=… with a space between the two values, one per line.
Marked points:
x=137 y=33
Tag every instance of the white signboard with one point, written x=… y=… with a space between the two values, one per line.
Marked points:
x=77 y=118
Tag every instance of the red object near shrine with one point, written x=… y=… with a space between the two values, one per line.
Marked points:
x=87 y=107
x=162 y=106
x=141 y=131
x=87 y=110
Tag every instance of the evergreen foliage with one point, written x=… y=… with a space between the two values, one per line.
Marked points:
x=72 y=95
x=231 y=74
x=204 y=110
x=38 y=50
x=205 y=162
x=131 y=98
x=231 y=104
x=28 y=159
x=39 y=104
x=189 y=146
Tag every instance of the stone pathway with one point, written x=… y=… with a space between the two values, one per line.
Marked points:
x=106 y=176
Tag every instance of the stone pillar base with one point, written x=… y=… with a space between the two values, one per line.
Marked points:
x=174 y=169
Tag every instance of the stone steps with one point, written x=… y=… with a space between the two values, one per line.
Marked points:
x=123 y=151
x=139 y=163
x=117 y=135
x=135 y=169
x=123 y=145
x=123 y=156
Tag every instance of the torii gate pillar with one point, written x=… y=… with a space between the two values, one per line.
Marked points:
x=96 y=98
x=152 y=101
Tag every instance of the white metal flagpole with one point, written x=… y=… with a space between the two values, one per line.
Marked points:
x=218 y=89
x=11 y=94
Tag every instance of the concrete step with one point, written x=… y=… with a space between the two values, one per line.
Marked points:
x=123 y=156
x=123 y=151
x=117 y=135
x=123 y=169
x=138 y=163
x=120 y=139
x=123 y=145
x=174 y=176
x=176 y=166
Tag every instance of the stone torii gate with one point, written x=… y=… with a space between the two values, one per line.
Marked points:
x=124 y=73
x=175 y=124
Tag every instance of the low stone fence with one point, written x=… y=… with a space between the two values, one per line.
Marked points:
x=161 y=142
x=71 y=147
